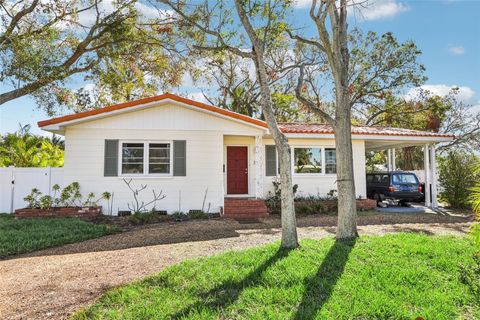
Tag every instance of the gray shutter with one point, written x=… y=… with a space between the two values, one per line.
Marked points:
x=110 y=166
x=270 y=161
x=180 y=158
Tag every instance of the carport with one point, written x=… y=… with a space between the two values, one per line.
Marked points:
x=395 y=138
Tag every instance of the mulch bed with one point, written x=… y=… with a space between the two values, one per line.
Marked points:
x=169 y=232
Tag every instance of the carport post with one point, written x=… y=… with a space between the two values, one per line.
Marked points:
x=433 y=171
x=394 y=161
x=427 y=179
x=389 y=160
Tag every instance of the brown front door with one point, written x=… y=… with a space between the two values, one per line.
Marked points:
x=237 y=170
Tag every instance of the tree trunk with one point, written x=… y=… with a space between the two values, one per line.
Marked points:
x=347 y=210
x=289 y=221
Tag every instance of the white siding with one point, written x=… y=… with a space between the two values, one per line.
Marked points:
x=84 y=155
x=322 y=184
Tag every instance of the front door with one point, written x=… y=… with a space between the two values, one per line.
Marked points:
x=237 y=170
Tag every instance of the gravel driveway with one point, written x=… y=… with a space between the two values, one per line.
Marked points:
x=52 y=283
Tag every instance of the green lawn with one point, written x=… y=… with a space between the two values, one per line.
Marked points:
x=398 y=276
x=26 y=235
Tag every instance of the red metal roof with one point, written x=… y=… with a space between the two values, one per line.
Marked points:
x=321 y=128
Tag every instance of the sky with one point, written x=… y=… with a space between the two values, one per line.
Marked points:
x=447 y=32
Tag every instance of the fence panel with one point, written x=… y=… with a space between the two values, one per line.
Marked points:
x=6 y=178
x=25 y=179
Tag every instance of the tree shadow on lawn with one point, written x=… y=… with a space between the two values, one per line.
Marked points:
x=319 y=287
x=225 y=294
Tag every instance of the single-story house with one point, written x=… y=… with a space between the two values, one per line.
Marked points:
x=193 y=151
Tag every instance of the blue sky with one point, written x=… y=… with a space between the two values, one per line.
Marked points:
x=447 y=32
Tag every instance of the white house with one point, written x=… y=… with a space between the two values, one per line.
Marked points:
x=192 y=151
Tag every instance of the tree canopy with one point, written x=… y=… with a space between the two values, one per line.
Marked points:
x=24 y=149
x=119 y=46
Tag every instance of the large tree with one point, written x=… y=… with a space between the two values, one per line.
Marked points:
x=361 y=69
x=115 y=44
x=426 y=111
x=219 y=27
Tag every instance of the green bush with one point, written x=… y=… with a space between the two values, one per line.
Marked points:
x=180 y=216
x=142 y=218
x=471 y=273
x=310 y=206
x=475 y=200
x=197 y=214
x=457 y=177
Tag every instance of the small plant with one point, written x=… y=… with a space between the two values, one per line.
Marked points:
x=197 y=214
x=45 y=202
x=179 y=216
x=310 y=206
x=332 y=194
x=70 y=196
x=91 y=201
x=273 y=200
x=109 y=197
x=56 y=201
x=138 y=206
x=33 y=199
x=142 y=218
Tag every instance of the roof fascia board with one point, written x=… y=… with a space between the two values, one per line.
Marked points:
x=60 y=126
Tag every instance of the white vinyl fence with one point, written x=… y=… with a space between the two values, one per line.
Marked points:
x=16 y=183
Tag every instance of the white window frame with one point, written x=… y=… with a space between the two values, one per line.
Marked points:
x=146 y=154
x=325 y=161
x=324 y=169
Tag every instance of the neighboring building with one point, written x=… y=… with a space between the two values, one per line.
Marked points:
x=188 y=149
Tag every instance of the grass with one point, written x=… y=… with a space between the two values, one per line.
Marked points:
x=400 y=276
x=26 y=235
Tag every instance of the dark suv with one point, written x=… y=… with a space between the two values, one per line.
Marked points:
x=396 y=185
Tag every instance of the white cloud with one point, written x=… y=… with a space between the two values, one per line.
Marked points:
x=368 y=9
x=381 y=9
x=465 y=94
x=456 y=50
x=302 y=3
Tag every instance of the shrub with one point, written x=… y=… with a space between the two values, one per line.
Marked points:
x=471 y=274
x=197 y=214
x=180 y=216
x=273 y=200
x=142 y=218
x=310 y=207
x=32 y=199
x=456 y=176
x=70 y=196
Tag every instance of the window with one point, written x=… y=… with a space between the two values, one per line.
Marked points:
x=330 y=161
x=159 y=158
x=314 y=160
x=400 y=178
x=142 y=158
x=132 y=158
x=307 y=160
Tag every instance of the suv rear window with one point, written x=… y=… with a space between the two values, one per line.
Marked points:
x=399 y=178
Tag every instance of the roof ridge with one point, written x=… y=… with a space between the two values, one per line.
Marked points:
x=157 y=98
